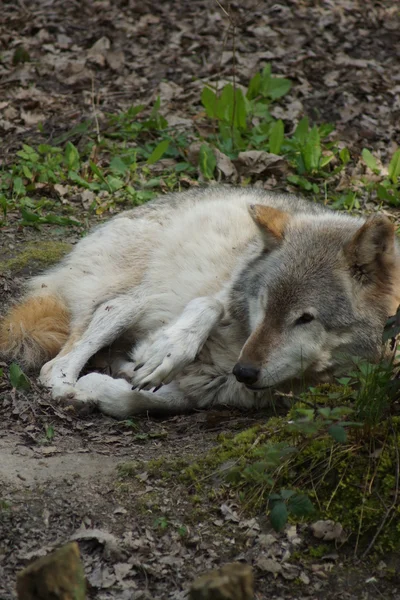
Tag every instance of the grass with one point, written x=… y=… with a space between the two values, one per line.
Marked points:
x=136 y=155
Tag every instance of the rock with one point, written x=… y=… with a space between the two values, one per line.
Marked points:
x=233 y=581
x=327 y=530
x=58 y=576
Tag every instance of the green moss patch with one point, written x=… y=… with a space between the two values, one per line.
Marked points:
x=354 y=482
x=319 y=461
x=36 y=254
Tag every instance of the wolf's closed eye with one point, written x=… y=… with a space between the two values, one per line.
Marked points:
x=304 y=319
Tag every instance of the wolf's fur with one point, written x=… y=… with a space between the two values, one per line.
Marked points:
x=185 y=287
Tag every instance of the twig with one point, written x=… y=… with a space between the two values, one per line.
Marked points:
x=92 y=97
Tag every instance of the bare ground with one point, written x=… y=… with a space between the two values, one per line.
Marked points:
x=142 y=535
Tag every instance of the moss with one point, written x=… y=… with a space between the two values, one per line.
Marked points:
x=128 y=469
x=148 y=503
x=37 y=253
x=319 y=551
x=352 y=482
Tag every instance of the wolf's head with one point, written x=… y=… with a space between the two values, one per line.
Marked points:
x=322 y=289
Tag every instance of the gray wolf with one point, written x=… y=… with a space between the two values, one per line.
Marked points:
x=208 y=297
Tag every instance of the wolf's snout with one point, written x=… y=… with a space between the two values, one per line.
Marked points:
x=245 y=373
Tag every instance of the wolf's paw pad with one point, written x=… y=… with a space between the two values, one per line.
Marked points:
x=70 y=396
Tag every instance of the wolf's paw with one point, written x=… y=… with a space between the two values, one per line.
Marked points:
x=82 y=400
x=158 y=362
x=45 y=375
x=123 y=369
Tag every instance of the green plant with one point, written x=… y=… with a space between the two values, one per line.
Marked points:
x=387 y=188
x=242 y=120
x=18 y=379
x=161 y=522
x=288 y=503
x=49 y=431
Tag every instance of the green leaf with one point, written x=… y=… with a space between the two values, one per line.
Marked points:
x=209 y=101
x=49 y=432
x=240 y=113
x=71 y=155
x=114 y=183
x=279 y=516
x=394 y=167
x=301 y=131
x=370 y=161
x=300 y=505
x=207 y=161
x=383 y=194
x=325 y=160
x=226 y=104
x=117 y=165
x=276 y=137
x=27 y=172
x=183 y=166
x=286 y=494
x=29 y=217
x=79 y=129
x=158 y=152
x=278 y=87
x=325 y=412
x=265 y=78
x=311 y=152
x=260 y=110
x=338 y=433
x=344 y=380
x=82 y=182
x=254 y=87
x=18 y=379
x=96 y=170
x=344 y=155
x=274 y=497
x=18 y=186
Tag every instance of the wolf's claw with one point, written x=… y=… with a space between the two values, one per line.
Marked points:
x=160 y=361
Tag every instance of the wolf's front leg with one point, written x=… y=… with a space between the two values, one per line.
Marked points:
x=158 y=359
x=116 y=398
x=109 y=321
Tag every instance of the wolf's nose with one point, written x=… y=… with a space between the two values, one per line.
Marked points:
x=245 y=373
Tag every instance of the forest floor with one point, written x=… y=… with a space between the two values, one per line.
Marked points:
x=143 y=532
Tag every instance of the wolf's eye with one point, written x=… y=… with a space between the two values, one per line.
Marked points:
x=305 y=318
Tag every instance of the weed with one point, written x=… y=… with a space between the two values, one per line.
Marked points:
x=18 y=379
x=386 y=187
x=123 y=163
x=161 y=523
x=49 y=432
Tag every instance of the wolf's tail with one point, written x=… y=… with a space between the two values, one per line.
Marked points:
x=34 y=331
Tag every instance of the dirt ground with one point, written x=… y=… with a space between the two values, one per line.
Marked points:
x=141 y=534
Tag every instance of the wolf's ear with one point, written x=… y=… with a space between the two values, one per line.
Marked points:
x=271 y=221
x=371 y=252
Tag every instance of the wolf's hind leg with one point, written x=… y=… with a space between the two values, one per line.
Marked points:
x=163 y=355
x=109 y=321
x=116 y=398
